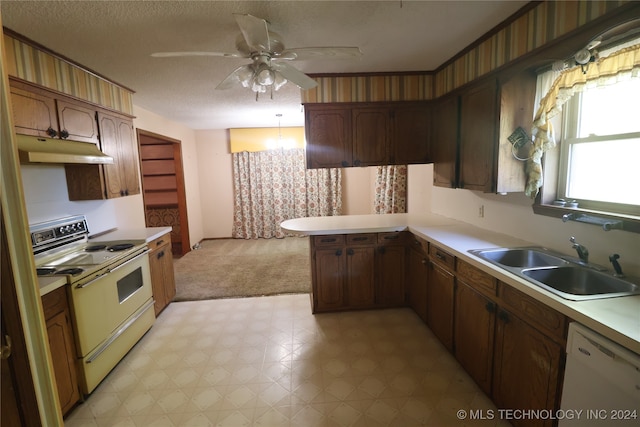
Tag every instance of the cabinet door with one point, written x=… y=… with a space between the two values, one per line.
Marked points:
x=116 y=135
x=157 y=279
x=526 y=369
x=410 y=135
x=391 y=276
x=474 y=325
x=329 y=275
x=128 y=158
x=77 y=122
x=328 y=133
x=478 y=145
x=443 y=145
x=370 y=136
x=62 y=347
x=440 y=304
x=34 y=114
x=417 y=282
x=360 y=277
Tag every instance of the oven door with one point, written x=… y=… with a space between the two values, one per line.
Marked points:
x=103 y=302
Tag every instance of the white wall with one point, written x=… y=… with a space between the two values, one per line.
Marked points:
x=46 y=198
x=513 y=215
x=216 y=182
x=152 y=122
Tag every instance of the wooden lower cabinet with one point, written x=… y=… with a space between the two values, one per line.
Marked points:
x=417 y=279
x=474 y=326
x=527 y=368
x=360 y=276
x=62 y=346
x=440 y=294
x=390 y=269
x=162 y=277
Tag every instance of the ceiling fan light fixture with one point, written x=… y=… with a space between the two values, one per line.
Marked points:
x=265 y=76
x=279 y=81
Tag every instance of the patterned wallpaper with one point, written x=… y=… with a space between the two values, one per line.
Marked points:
x=28 y=63
x=545 y=22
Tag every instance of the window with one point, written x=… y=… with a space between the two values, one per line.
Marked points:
x=601 y=147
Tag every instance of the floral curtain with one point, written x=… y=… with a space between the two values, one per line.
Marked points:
x=618 y=66
x=273 y=186
x=391 y=189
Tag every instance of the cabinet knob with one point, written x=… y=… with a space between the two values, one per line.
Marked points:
x=345 y=164
x=424 y=261
x=503 y=316
x=350 y=251
x=160 y=254
x=52 y=133
x=64 y=134
x=339 y=252
x=357 y=162
x=382 y=250
x=491 y=307
x=5 y=350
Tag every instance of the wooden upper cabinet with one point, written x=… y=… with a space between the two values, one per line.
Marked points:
x=367 y=134
x=77 y=122
x=443 y=144
x=328 y=133
x=410 y=132
x=370 y=136
x=39 y=113
x=118 y=141
x=478 y=118
x=95 y=182
x=33 y=113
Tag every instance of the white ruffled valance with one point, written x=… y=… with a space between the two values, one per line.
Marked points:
x=619 y=66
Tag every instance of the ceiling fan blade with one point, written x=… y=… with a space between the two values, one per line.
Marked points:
x=174 y=54
x=303 y=53
x=294 y=75
x=240 y=76
x=255 y=32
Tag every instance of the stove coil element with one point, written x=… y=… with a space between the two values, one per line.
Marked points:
x=120 y=247
x=44 y=271
x=95 y=248
x=70 y=271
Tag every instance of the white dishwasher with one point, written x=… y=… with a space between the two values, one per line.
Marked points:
x=601 y=382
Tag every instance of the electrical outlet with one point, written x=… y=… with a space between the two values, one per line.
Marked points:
x=481 y=211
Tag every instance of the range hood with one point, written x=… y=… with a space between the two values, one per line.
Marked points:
x=35 y=149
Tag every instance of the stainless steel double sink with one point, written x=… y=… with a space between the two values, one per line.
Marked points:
x=561 y=275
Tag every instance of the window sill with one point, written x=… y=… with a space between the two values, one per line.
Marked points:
x=606 y=220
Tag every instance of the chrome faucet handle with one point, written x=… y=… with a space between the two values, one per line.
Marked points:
x=616 y=265
x=573 y=240
x=583 y=252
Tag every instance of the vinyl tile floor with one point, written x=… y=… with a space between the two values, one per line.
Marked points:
x=268 y=361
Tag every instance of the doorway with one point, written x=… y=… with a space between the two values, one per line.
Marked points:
x=163 y=189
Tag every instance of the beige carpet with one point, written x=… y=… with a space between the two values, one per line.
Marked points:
x=226 y=268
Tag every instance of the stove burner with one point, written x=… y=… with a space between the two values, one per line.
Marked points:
x=71 y=271
x=95 y=248
x=44 y=271
x=120 y=247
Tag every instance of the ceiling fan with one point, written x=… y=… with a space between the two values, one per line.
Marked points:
x=269 y=69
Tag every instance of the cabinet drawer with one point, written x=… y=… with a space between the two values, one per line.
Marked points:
x=54 y=302
x=534 y=312
x=477 y=278
x=361 y=239
x=165 y=239
x=331 y=240
x=442 y=257
x=393 y=238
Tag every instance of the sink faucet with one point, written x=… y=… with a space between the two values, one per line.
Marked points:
x=583 y=253
x=616 y=265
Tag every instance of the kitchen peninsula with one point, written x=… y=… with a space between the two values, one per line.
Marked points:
x=616 y=318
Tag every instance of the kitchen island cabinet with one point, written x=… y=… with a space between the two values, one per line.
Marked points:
x=62 y=347
x=163 y=281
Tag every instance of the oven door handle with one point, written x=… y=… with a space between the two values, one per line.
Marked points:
x=100 y=276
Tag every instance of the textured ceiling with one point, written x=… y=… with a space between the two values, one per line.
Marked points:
x=116 y=38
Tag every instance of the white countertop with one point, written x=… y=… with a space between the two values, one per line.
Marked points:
x=51 y=283
x=616 y=318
